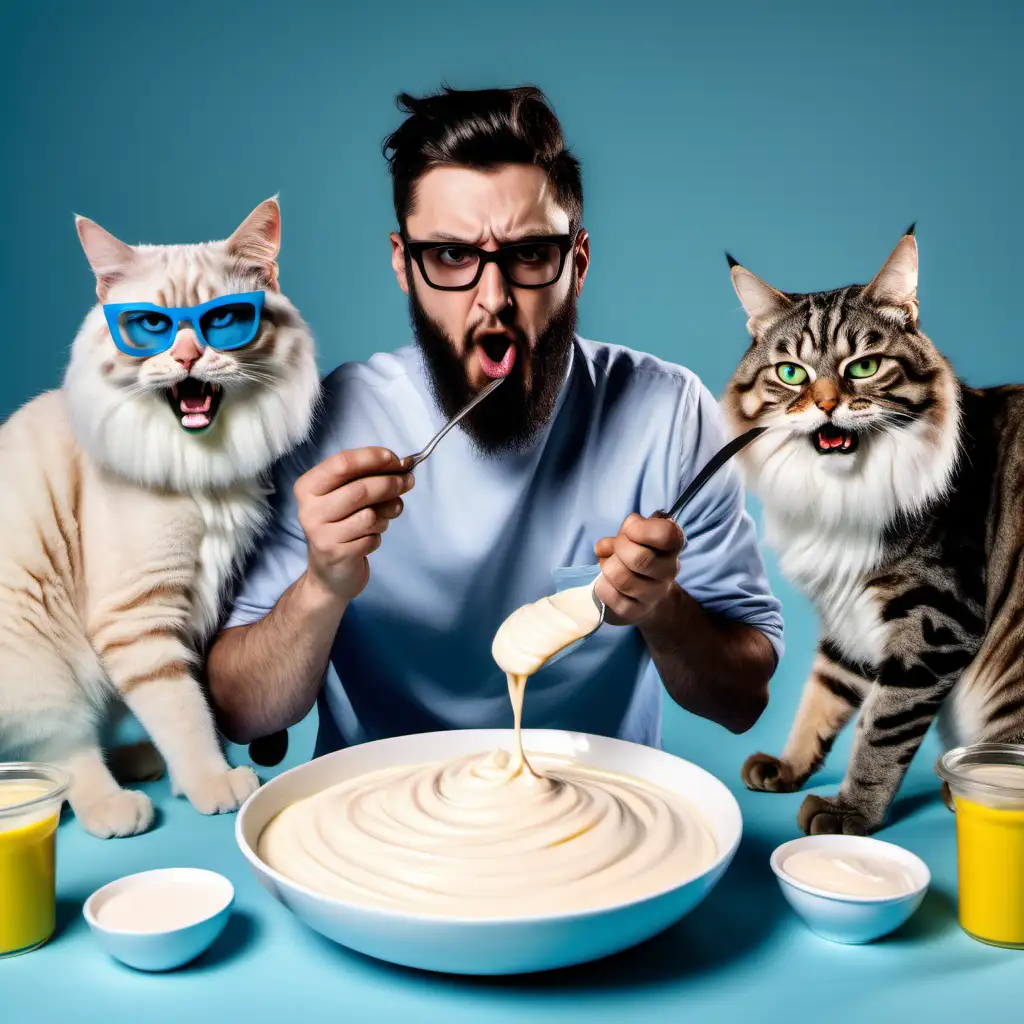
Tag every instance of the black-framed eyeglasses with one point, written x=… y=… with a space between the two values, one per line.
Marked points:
x=458 y=266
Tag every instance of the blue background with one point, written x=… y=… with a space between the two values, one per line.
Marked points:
x=804 y=138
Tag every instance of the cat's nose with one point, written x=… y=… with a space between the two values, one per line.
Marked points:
x=826 y=396
x=185 y=350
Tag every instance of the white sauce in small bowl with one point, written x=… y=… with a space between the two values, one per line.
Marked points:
x=849 y=874
x=161 y=900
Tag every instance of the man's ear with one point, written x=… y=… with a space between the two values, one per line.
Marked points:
x=582 y=251
x=398 y=261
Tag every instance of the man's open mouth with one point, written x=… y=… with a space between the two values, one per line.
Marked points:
x=497 y=354
x=833 y=440
x=195 y=403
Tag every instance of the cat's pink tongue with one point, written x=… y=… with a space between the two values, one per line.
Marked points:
x=201 y=404
x=195 y=411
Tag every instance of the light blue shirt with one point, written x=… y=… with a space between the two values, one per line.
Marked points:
x=481 y=536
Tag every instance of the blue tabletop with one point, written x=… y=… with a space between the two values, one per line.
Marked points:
x=741 y=955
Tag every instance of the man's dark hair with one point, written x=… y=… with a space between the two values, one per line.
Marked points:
x=481 y=129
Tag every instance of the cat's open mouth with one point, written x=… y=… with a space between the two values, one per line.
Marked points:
x=833 y=440
x=195 y=403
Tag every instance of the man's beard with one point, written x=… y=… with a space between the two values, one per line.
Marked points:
x=509 y=420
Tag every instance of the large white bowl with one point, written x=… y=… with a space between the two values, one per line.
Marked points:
x=492 y=946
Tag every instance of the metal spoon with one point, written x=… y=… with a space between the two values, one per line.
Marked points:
x=601 y=611
x=415 y=460
x=712 y=466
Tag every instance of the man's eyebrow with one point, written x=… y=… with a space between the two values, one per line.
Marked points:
x=443 y=236
x=531 y=233
x=526 y=236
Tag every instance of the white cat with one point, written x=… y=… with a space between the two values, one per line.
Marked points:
x=129 y=498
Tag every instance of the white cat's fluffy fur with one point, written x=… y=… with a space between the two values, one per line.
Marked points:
x=120 y=531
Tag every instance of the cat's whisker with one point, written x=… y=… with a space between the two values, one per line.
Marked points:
x=248 y=375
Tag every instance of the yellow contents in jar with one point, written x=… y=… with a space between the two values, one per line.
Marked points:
x=27 y=862
x=990 y=859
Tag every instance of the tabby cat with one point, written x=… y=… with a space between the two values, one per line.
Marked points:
x=129 y=497
x=894 y=496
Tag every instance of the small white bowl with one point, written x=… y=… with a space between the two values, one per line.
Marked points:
x=851 y=920
x=164 y=950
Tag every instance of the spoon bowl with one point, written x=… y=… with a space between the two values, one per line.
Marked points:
x=602 y=610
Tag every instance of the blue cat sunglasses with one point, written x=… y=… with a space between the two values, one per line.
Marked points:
x=223 y=323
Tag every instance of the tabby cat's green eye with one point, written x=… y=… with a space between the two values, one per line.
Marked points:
x=790 y=373
x=862 y=368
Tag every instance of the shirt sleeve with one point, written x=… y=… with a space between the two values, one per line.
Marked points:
x=280 y=555
x=721 y=565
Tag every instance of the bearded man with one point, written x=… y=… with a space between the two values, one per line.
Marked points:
x=543 y=485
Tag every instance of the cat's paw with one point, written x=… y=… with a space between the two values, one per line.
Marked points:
x=221 y=791
x=124 y=813
x=830 y=815
x=768 y=774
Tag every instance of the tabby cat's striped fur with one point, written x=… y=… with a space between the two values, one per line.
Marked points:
x=894 y=495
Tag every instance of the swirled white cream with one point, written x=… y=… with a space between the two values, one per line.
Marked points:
x=849 y=874
x=488 y=835
x=465 y=838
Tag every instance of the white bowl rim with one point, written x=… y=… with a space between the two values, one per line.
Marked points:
x=210 y=876
x=723 y=856
x=901 y=852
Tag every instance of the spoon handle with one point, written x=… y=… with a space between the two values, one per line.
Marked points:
x=415 y=460
x=714 y=464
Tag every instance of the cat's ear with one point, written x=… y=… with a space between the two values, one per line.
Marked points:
x=895 y=285
x=761 y=301
x=109 y=257
x=257 y=241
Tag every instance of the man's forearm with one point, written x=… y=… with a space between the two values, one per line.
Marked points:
x=710 y=666
x=266 y=676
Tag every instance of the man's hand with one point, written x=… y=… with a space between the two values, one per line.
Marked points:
x=638 y=568
x=345 y=504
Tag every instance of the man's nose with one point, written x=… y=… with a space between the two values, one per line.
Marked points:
x=492 y=292
x=186 y=350
x=826 y=396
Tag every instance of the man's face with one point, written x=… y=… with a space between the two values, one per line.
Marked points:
x=468 y=337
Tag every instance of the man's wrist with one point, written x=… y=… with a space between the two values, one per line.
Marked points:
x=663 y=613
x=317 y=601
